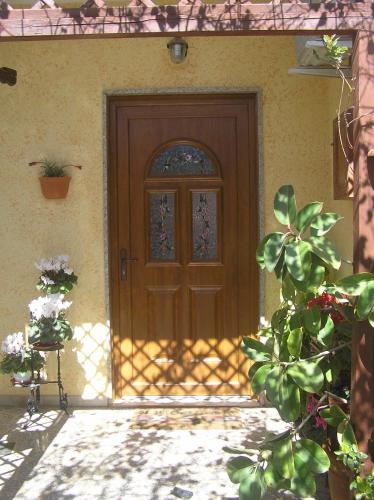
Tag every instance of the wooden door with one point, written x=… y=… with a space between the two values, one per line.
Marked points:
x=183 y=233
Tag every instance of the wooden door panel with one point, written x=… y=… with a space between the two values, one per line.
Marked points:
x=188 y=174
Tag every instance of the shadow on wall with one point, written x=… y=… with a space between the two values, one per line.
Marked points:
x=92 y=352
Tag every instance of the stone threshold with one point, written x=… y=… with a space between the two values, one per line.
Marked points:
x=185 y=402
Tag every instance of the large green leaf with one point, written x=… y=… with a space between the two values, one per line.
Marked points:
x=238 y=468
x=272 y=385
x=333 y=415
x=288 y=288
x=260 y=251
x=289 y=399
x=325 y=335
x=302 y=483
x=345 y=434
x=253 y=369
x=317 y=273
x=258 y=381
x=294 y=341
x=371 y=319
x=312 y=455
x=323 y=223
x=255 y=350
x=273 y=479
x=307 y=375
x=283 y=458
x=285 y=205
x=271 y=438
x=306 y=215
x=298 y=259
x=312 y=319
x=325 y=250
x=315 y=278
x=252 y=487
x=355 y=284
x=365 y=303
x=273 y=249
x=296 y=320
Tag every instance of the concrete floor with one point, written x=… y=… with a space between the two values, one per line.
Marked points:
x=98 y=454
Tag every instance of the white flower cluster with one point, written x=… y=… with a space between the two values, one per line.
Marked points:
x=48 y=307
x=13 y=344
x=56 y=264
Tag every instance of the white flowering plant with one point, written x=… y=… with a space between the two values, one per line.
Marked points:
x=16 y=356
x=56 y=275
x=48 y=324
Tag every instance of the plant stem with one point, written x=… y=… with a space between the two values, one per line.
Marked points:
x=317 y=356
x=316 y=408
x=338 y=398
x=303 y=422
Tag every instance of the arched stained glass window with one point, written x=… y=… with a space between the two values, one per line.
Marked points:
x=183 y=160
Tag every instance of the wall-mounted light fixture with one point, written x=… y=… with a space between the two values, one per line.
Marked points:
x=177 y=50
x=8 y=76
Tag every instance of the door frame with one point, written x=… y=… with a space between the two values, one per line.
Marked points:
x=113 y=99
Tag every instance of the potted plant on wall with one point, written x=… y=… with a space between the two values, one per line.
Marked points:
x=18 y=359
x=53 y=179
x=302 y=361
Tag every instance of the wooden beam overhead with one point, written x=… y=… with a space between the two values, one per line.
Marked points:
x=139 y=19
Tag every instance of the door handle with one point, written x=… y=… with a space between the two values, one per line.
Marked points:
x=124 y=259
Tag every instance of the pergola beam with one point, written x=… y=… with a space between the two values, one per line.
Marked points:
x=187 y=18
x=362 y=395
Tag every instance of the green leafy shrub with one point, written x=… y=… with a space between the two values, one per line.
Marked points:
x=304 y=353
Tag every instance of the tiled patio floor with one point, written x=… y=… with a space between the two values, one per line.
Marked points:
x=125 y=454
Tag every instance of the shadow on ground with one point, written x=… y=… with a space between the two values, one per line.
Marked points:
x=100 y=454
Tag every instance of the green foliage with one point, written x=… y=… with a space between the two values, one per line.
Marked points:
x=335 y=53
x=285 y=205
x=21 y=363
x=62 y=282
x=362 y=485
x=52 y=168
x=50 y=330
x=304 y=353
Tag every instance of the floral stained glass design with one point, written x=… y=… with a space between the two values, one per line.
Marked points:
x=182 y=160
x=204 y=225
x=162 y=226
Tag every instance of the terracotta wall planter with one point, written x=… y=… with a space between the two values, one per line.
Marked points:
x=55 y=188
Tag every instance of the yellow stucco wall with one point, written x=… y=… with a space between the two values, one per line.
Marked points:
x=56 y=109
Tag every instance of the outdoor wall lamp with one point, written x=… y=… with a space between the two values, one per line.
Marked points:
x=177 y=50
x=8 y=76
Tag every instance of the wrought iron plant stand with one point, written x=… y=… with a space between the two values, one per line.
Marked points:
x=36 y=381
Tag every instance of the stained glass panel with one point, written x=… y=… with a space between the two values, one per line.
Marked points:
x=204 y=225
x=182 y=160
x=162 y=226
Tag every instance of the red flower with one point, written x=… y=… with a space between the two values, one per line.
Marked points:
x=325 y=301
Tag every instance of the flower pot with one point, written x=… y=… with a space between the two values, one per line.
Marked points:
x=54 y=188
x=50 y=346
x=21 y=378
